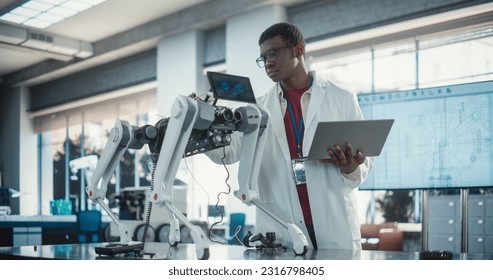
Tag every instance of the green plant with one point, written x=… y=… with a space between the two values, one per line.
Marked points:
x=397 y=206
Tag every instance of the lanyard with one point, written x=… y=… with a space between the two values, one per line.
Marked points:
x=297 y=131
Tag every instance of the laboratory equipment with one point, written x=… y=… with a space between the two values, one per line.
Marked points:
x=194 y=127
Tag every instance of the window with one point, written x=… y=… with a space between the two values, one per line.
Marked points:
x=84 y=131
x=395 y=68
x=457 y=63
x=353 y=72
x=436 y=60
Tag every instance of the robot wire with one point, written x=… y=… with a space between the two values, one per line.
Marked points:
x=219 y=199
x=211 y=234
x=149 y=204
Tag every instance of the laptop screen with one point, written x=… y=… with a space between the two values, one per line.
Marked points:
x=231 y=87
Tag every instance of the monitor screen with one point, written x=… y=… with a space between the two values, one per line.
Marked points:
x=230 y=87
x=441 y=137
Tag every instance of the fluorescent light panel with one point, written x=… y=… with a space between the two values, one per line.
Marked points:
x=43 y=13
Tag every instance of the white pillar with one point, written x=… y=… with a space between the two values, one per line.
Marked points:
x=179 y=68
x=179 y=72
x=28 y=160
x=242 y=49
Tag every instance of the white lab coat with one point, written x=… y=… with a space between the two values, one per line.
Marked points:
x=331 y=194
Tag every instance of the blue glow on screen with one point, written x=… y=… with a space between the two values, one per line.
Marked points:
x=441 y=137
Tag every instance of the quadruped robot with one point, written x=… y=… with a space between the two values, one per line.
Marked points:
x=193 y=127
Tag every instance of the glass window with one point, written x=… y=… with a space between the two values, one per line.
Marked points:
x=457 y=63
x=352 y=72
x=442 y=59
x=87 y=134
x=55 y=142
x=395 y=68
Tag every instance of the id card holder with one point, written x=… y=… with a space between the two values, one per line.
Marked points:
x=298 y=165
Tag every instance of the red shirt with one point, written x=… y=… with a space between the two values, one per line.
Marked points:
x=294 y=97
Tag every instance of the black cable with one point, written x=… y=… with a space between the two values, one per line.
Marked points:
x=149 y=203
x=221 y=216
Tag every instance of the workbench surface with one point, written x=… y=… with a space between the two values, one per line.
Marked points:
x=157 y=250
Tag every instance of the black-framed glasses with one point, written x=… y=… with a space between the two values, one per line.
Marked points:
x=271 y=56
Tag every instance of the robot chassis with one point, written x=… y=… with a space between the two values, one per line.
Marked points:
x=194 y=127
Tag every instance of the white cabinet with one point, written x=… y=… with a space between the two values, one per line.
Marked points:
x=444 y=223
x=24 y=236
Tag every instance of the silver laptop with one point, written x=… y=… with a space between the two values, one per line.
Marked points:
x=367 y=136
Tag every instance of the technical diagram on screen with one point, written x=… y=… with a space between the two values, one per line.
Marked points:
x=231 y=87
x=442 y=137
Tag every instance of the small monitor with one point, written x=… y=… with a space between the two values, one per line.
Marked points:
x=231 y=87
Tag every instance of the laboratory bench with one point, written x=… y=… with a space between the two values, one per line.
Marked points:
x=158 y=250
x=17 y=230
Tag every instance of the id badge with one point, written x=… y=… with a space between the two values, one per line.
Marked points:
x=299 y=170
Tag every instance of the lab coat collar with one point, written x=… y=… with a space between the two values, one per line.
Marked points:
x=318 y=92
x=277 y=105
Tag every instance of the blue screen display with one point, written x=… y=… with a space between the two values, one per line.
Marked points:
x=231 y=87
x=441 y=138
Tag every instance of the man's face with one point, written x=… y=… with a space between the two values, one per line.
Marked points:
x=280 y=68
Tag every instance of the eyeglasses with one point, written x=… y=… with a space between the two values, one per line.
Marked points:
x=271 y=56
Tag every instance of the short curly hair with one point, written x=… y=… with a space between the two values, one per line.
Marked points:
x=288 y=31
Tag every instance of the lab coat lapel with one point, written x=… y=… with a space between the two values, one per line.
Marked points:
x=316 y=100
x=277 y=122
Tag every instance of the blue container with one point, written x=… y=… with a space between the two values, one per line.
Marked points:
x=61 y=207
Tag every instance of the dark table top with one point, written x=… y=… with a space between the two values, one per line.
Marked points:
x=156 y=250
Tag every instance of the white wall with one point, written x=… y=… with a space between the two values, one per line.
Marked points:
x=178 y=68
x=242 y=49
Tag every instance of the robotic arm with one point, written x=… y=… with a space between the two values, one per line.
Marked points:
x=194 y=127
x=187 y=116
x=122 y=137
x=87 y=163
x=252 y=148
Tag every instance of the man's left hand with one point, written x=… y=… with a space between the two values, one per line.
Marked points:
x=345 y=160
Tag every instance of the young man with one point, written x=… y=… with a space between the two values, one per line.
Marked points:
x=324 y=207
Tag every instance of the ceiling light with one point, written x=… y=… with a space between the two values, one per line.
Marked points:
x=38 y=6
x=50 y=17
x=38 y=23
x=14 y=18
x=75 y=5
x=21 y=11
x=43 y=13
x=93 y=2
x=53 y=2
x=62 y=12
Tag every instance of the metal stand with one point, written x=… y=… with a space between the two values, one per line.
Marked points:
x=464 y=218
x=424 y=221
